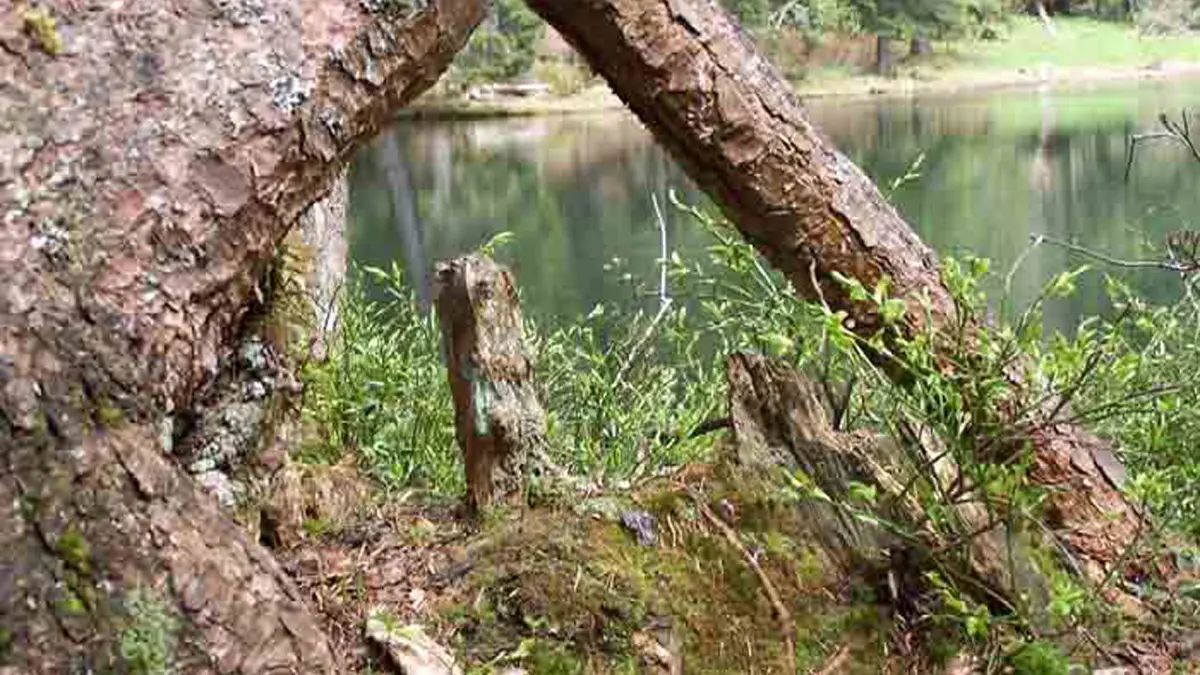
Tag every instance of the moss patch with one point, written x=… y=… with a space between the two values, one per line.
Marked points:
x=147 y=640
x=40 y=26
x=565 y=592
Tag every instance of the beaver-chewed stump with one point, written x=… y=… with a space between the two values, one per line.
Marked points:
x=498 y=418
x=779 y=420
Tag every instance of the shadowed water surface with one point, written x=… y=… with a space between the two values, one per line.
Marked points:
x=576 y=191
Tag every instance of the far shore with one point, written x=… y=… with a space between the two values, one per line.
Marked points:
x=598 y=98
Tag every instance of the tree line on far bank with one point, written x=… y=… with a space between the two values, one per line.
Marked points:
x=510 y=44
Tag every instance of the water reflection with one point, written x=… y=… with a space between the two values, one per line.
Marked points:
x=577 y=190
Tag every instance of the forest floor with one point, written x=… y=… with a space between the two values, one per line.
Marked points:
x=568 y=587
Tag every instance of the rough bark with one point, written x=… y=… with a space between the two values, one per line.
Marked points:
x=151 y=156
x=499 y=422
x=885 y=56
x=323 y=233
x=706 y=93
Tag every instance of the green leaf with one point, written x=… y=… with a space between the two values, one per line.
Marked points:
x=498 y=241
x=779 y=344
x=893 y=310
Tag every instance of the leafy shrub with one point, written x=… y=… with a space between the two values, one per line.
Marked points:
x=1039 y=658
x=383 y=392
x=503 y=47
x=564 y=78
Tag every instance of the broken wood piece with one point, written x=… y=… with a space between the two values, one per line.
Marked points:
x=408 y=647
x=499 y=422
x=779 y=421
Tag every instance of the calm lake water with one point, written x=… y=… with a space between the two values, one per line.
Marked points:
x=576 y=191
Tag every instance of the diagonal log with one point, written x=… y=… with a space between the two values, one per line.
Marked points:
x=152 y=153
x=706 y=93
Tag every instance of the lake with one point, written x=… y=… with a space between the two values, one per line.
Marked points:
x=576 y=191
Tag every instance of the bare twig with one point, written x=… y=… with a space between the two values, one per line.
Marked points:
x=663 y=298
x=786 y=625
x=1179 y=133
x=1035 y=240
x=641 y=343
x=1167 y=265
x=836 y=662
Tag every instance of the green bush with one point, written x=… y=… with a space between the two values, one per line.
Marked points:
x=383 y=393
x=564 y=78
x=503 y=47
x=1039 y=658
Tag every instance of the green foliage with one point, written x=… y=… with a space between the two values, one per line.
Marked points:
x=503 y=47
x=940 y=18
x=564 y=78
x=1143 y=397
x=147 y=641
x=623 y=391
x=752 y=12
x=383 y=392
x=1039 y=658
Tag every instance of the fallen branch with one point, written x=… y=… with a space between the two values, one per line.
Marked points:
x=787 y=626
x=1171 y=265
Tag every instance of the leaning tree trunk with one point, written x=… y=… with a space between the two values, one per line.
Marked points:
x=152 y=154
x=738 y=130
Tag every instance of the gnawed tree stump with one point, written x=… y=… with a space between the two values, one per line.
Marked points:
x=498 y=418
x=779 y=420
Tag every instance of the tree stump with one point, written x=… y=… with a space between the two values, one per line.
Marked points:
x=498 y=418
x=779 y=420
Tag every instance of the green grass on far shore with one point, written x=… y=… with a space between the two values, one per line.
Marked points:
x=1079 y=43
x=1082 y=50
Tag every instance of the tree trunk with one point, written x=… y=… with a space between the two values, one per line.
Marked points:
x=497 y=416
x=920 y=45
x=696 y=81
x=885 y=56
x=151 y=156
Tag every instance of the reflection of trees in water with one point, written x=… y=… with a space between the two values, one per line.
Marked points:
x=989 y=182
x=394 y=167
x=576 y=190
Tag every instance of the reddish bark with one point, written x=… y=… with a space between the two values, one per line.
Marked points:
x=147 y=170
